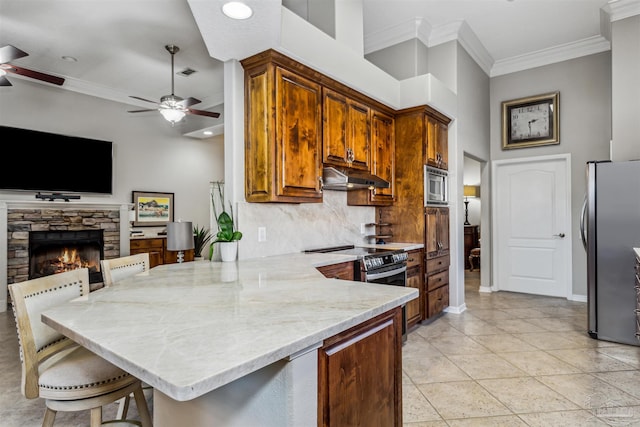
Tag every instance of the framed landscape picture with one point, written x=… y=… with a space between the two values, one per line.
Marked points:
x=531 y=121
x=152 y=209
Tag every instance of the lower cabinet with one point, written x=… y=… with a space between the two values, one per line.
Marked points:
x=360 y=375
x=415 y=279
x=437 y=289
x=157 y=249
x=343 y=270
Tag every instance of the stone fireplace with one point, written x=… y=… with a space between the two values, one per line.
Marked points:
x=44 y=237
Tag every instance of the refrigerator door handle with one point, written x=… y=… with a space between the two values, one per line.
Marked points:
x=583 y=216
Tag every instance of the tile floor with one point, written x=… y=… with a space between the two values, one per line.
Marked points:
x=509 y=360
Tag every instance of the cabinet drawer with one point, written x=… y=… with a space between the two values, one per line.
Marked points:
x=145 y=243
x=434 y=281
x=437 y=264
x=414 y=259
x=343 y=270
x=438 y=300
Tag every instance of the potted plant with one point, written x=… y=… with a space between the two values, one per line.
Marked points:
x=201 y=237
x=227 y=235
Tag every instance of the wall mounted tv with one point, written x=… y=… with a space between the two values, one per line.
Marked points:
x=41 y=161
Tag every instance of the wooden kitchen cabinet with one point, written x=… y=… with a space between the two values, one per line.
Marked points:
x=415 y=279
x=437 y=259
x=157 y=249
x=342 y=270
x=436 y=231
x=346 y=131
x=382 y=163
x=360 y=375
x=437 y=152
x=283 y=131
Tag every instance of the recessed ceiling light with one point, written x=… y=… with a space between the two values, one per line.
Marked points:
x=237 y=10
x=69 y=58
x=207 y=132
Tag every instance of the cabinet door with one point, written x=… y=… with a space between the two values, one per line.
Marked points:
x=436 y=231
x=383 y=150
x=345 y=131
x=298 y=136
x=414 y=280
x=437 y=301
x=360 y=375
x=154 y=246
x=343 y=270
x=443 y=230
x=437 y=152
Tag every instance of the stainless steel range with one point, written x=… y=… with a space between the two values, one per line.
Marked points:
x=377 y=265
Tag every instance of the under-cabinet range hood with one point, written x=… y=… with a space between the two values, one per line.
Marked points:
x=350 y=179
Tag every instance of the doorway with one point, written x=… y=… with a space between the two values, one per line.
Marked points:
x=532 y=226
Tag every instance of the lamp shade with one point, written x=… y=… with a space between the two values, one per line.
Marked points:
x=471 y=191
x=180 y=236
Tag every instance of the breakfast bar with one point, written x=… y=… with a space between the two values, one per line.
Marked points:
x=232 y=343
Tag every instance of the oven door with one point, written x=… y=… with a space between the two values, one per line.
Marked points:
x=394 y=275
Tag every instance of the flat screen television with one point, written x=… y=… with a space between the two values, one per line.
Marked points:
x=49 y=162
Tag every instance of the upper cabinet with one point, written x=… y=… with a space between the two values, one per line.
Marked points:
x=437 y=143
x=346 y=131
x=383 y=163
x=298 y=120
x=283 y=133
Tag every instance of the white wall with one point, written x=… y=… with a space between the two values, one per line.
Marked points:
x=150 y=155
x=585 y=127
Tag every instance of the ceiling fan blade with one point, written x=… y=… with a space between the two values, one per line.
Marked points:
x=5 y=81
x=8 y=53
x=189 y=102
x=203 y=113
x=142 y=99
x=142 y=111
x=36 y=75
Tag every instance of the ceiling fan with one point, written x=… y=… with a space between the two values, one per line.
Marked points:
x=9 y=53
x=173 y=108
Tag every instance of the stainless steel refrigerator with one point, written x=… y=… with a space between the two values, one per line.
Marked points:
x=610 y=229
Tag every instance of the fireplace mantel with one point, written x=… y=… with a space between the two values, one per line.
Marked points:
x=6 y=206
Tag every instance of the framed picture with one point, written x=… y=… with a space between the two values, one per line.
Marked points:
x=531 y=121
x=152 y=209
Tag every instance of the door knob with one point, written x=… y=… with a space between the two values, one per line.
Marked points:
x=561 y=235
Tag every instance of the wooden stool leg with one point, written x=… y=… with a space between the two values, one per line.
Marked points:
x=96 y=416
x=470 y=262
x=143 y=410
x=49 y=418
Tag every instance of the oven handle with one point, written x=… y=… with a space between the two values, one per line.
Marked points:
x=376 y=276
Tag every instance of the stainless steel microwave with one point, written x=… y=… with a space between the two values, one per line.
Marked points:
x=436 y=191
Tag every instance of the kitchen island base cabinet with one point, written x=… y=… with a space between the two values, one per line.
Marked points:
x=360 y=375
x=283 y=394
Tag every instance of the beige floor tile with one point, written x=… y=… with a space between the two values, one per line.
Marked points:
x=516 y=326
x=548 y=340
x=478 y=327
x=559 y=324
x=628 y=381
x=526 y=394
x=436 y=329
x=501 y=421
x=539 y=363
x=562 y=419
x=525 y=313
x=432 y=369
x=426 y=424
x=418 y=347
x=590 y=360
x=416 y=407
x=480 y=366
x=588 y=391
x=619 y=416
x=457 y=345
x=503 y=343
x=627 y=354
x=490 y=315
x=462 y=399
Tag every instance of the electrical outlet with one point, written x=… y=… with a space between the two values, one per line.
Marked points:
x=363 y=228
x=262 y=234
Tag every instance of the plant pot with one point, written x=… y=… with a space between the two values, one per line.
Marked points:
x=228 y=251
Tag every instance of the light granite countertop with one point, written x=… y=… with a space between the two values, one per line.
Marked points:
x=187 y=329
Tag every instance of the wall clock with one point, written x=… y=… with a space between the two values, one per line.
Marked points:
x=531 y=121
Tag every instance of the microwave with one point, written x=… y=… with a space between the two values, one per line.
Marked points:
x=436 y=191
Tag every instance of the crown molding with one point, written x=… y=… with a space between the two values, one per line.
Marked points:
x=621 y=9
x=391 y=36
x=588 y=46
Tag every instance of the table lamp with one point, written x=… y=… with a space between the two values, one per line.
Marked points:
x=180 y=237
x=469 y=191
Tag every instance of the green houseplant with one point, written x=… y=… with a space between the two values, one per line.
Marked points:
x=201 y=237
x=227 y=231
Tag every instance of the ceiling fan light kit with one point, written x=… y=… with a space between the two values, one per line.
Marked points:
x=172 y=107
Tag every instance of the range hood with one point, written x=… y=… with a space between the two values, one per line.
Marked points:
x=350 y=179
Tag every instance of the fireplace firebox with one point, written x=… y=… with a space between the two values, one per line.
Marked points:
x=52 y=252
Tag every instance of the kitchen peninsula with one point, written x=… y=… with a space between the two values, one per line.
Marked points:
x=245 y=343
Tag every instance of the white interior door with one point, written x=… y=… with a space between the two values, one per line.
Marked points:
x=532 y=227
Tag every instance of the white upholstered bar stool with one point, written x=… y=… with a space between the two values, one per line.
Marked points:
x=68 y=376
x=118 y=268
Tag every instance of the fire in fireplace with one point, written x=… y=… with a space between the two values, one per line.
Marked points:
x=52 y=252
